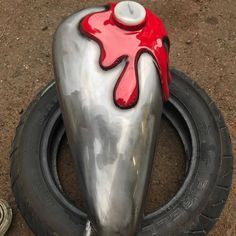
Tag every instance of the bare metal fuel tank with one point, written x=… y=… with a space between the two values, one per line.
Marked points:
x=111 y=66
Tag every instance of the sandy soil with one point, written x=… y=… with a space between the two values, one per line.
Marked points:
x=203 y=36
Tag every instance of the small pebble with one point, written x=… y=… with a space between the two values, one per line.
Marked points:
x=188 y=42
x=45 y=28
x=26 y=67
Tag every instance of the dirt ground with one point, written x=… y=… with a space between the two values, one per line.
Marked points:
x=203 y=44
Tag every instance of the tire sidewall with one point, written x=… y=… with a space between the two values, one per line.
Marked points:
x=46 y=216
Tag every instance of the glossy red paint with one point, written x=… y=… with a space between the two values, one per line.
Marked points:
x=118 y=42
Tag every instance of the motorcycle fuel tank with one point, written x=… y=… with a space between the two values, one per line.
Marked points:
x=111 y=67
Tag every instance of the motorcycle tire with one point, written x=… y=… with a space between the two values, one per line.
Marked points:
x=192 y=211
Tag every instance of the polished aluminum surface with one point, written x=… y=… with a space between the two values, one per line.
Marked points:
x=112 y=148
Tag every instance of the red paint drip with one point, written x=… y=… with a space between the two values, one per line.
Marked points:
x=118 y=42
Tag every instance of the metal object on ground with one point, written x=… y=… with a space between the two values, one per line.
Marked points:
x=5 y=217
x=112 y=127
